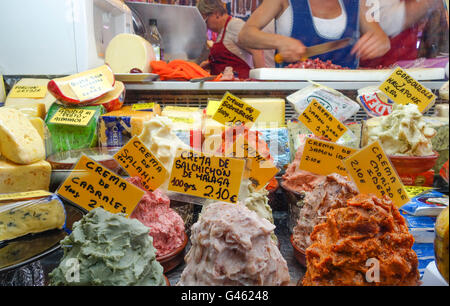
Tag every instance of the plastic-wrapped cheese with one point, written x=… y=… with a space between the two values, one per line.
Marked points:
x=69 y=137
x=128 y=51
x=20 y=142
x=31 y=216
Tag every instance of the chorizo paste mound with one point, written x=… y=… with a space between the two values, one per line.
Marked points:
x=331 y=194
x=165 y=224
x=231 y=246
x=355 y=239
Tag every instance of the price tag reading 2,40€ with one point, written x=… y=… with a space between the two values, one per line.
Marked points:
x=90 y=185
x=138 y=160
x=321 y=122
x=324 y=157
x=211 y=177
x=373 y=173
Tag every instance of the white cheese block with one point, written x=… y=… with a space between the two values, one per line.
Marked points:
x=128 y=51
x=48 y=100
x=20 y=142
x=19 y=178
x=33 y=216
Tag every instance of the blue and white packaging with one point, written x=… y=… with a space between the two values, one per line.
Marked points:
x=429 y=204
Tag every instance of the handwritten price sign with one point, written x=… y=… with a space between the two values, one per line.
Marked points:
x=403 y=89
x=211 y=177
x=373 y=172
x=235 y=111
x=321 y=122
x=73 y=116
x=91 y=185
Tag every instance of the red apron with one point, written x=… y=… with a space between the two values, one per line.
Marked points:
x=403 y=47
x=220 y=58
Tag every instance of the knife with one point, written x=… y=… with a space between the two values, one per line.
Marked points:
x=320 y=49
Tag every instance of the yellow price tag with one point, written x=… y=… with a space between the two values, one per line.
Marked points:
x=321 y=122
x=373 y=173
x=24 y=195
x=90 y=185
x=22 y=91
x=138 y=160
x=233 y=110
x=401 y=88
x=89 y=87
x=210 y=177
x=258 y=169
x=73 y=116
x=324 y=157
x=143 y=106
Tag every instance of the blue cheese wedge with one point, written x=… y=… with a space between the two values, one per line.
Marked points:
x=20 y=142
x=18 y=219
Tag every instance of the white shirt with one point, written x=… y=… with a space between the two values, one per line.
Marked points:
x=231 y=38
x=392 y=16
x=327 y=28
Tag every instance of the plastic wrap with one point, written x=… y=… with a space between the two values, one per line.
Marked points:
x=19 y=218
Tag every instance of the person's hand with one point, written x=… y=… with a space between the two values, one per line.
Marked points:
x=371 y=45
x=290 y=49
x=204 y=64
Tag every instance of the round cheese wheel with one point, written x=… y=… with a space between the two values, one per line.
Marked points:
x=128 y=51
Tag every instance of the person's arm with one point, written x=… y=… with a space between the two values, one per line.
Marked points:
x=373 y=42
x=252 y=36
x=258 y=58
x=416 y=10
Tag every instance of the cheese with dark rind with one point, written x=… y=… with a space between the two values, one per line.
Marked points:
x=20 y=218
x=69 y=137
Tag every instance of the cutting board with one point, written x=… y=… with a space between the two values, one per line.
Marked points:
x=355 y=75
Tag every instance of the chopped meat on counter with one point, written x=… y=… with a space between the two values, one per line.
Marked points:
x=355 y=240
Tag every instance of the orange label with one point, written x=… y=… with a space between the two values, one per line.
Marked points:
x=373 y=173
x=211 y=177
x=321 y=122
x=403 y=89
x=90 y=185
x=258 y=169
x=235 y=111
x=324 y=157
x=138 y=160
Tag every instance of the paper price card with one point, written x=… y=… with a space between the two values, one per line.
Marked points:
x=90 y=87
x=414 y=191
x=36 y=92
x=324 y=157
x=403 y=89
x=258 y=169
x=234 y=110
x=90 y=185
x=143 y=106
x=321 y=122
x=24 y=195
x=373 y=173
x=138 y=160
x=73 y=116
x=210 y=177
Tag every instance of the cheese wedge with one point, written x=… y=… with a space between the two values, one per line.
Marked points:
x=33 y=216
x=48 y=100
x=128 y=51
x=2 y=90
x=20 y=142
x=18 y=178
x=37 y=110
